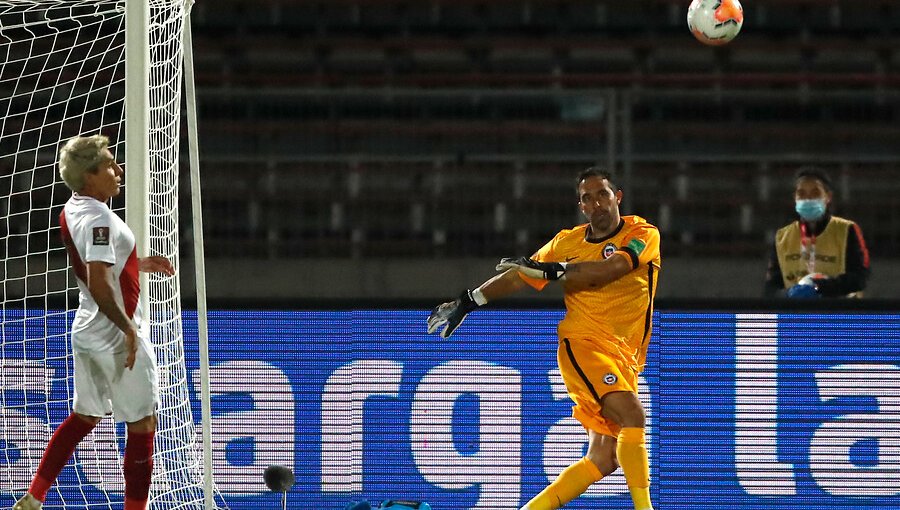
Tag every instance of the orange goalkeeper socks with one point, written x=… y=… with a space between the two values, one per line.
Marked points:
x=570 y=484
x=631 y=451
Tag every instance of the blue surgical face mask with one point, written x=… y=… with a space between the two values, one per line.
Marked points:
x=811 y=210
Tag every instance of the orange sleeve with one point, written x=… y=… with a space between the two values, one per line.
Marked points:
x=545 y=254
x=641 y=245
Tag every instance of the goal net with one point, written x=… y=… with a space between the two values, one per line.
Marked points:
x=62 y=74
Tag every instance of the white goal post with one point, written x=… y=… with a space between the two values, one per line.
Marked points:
x=80 y=67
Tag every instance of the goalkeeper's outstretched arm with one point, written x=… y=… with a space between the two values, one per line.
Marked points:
x=502 y=285
x=448 y=316
x=583 y=274
x=599 y=273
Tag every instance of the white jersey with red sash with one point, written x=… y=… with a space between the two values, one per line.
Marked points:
x=91 y=232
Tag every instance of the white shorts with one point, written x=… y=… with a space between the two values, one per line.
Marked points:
x=103 y=385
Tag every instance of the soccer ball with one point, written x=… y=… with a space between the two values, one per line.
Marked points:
x=715 y=22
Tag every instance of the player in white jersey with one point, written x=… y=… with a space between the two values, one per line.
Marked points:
x=115 y=366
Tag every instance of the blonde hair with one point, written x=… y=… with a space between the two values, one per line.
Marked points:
x=81 y=155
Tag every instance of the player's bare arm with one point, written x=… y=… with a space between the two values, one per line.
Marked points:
x=101 y=286
x=156 y=264
x=446 y=317
x=502 y=285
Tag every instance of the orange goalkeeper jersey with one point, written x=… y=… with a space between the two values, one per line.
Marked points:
x=616 y=317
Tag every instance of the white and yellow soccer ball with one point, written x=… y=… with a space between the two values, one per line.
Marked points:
x=715 y=22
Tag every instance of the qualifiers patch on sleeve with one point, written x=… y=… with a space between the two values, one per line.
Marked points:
x=101 y=236
x=637 y=246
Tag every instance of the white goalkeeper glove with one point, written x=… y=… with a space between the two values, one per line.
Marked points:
x=533 y=268
x=451 y=314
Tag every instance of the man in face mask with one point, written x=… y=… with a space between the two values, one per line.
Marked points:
x=818 y=254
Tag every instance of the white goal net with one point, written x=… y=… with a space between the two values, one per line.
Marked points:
x=62 y=73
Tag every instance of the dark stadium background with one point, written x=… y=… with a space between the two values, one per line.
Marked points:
x=379 y=149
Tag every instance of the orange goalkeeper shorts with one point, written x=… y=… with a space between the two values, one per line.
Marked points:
x=589 y=374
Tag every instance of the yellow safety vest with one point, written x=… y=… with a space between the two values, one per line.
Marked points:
x=830 y=251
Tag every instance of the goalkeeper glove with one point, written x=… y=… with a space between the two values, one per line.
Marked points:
x=533 y=268
x=451 y=314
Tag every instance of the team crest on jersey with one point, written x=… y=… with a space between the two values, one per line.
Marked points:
x=101 y=236
x=608 y=250
x=610 y=379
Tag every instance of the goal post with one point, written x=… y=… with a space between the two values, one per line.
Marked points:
x=193 y=137
x=80 y=67
x=137 y=129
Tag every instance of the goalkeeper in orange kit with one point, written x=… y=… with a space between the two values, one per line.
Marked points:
x=608 y=268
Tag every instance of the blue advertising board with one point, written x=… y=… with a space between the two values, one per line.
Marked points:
x=748 y=410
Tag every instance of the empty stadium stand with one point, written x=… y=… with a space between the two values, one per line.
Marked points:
x=451 y=128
